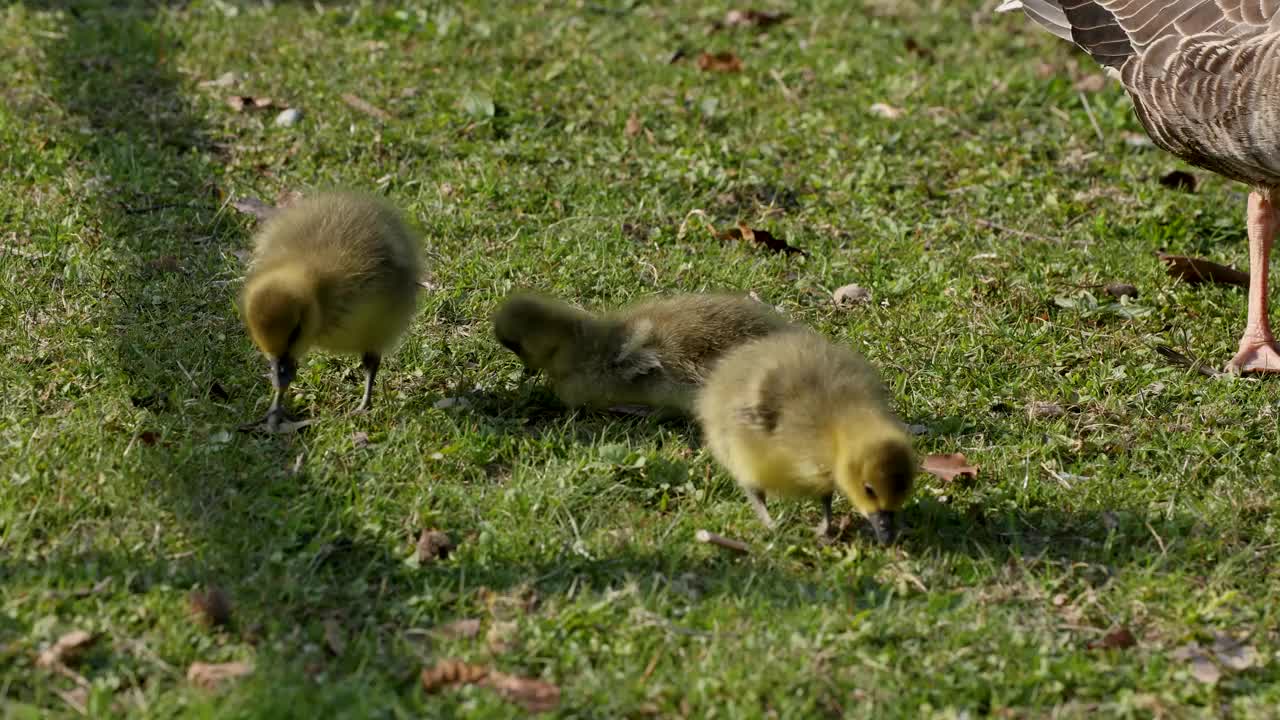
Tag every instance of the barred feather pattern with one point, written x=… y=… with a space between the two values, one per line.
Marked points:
x=1204 y=75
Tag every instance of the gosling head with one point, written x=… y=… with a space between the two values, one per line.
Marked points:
x=875 y=469
x=282 y=312
x=536 y=328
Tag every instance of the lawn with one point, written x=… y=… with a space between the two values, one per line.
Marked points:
x=1113 y=554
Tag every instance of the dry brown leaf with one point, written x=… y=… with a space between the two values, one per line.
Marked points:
x=66 y=650
x=634 y=126
x=211 y=675
x=764 y=237
x=851 y=295
x=365 y=107
x=754 y=18
x=211 y=607
x=149 y=437
x=334 y=638
x=531 y=694
x=360 y=439
x=255 y=207
x=725 y=62
x=433 y=545
x=1198 y=270
x=1179 y=180
x=948 y=467
x=886 y=111
x=463 y=629
x=1119 y=638
x=240 y=103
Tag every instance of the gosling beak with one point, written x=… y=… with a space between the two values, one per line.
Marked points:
x=282 y=371
x=885 y=527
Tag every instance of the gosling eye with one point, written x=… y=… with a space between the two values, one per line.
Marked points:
x=871 y=492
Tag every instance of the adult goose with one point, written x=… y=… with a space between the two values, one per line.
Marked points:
x=1204 y=76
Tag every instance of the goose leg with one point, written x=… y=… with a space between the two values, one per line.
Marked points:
x=1258 y=351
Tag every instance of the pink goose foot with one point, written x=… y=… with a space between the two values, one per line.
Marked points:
x=1258 y=351
x=1257 y=354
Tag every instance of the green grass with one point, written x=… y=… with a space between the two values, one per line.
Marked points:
x=126 y=368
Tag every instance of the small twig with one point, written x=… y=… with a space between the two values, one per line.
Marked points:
x=1092 y=120
x=706 y=536
x=1156 y=535
x=786 y=91
x=1012 y=231
x=366 y=107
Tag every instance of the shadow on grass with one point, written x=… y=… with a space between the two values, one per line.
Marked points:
x=282 y=544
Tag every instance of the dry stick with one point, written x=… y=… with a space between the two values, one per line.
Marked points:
x=1012 y=231
x=706 y=536
x=1092 y=120
x=366 y=107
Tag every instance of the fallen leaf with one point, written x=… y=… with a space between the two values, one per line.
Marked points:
x=1091 y=83
x=710 y=538
x=531 y=694
x=211 y=675
x=433 y=545
x=360 y=439
x=1179 y=180
x=255 y=207
x=501 y=636
x=448 y=673
x=149 y=437
x=217 y=392
x=463 y=629
x=1117 y=639
x=1042 y=410
x=1118 y=290
x=334 y=638
x=365 y=107
x=211 y=607
x=918 y=430
x=886 y=111
x=764 y=237
x=948 y=467
x=240 y=103
x=754 y=18
x=678 y=55
x=478 y=105
x=1233 y=653
x=1198 y=270
x=851 y=295
x=66 y=650
x=725 y=62
x=634 y=126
